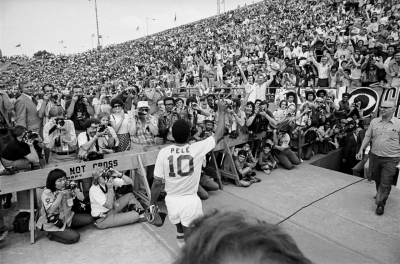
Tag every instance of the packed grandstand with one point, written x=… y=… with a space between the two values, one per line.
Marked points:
x=307 y=75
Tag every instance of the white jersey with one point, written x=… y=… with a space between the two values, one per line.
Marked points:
x=180 y=166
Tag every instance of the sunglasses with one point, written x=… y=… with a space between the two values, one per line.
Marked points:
x=117 y=105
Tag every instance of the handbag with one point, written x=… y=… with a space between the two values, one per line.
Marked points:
x=21 y=222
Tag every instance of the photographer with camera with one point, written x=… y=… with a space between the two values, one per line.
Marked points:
x=59 y=137
x=143 y=126
x=108 y=211
x=78 y=109
x=20 y=155
x=89 y=141
x=50 y=98
x=57 y=217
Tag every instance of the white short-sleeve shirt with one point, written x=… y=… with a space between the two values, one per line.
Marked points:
x=180 y=166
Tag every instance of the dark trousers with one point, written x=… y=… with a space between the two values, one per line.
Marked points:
x=287 y=158
x=383 y=170
x=69 y=235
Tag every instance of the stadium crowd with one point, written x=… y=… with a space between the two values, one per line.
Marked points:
x=128 y=95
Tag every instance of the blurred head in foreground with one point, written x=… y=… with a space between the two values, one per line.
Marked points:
x=231 y=237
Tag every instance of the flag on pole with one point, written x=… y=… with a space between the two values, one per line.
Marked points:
x=61 y=42
x=137 y=28
x=175 y=17
x=100 y=36
x=19 y=45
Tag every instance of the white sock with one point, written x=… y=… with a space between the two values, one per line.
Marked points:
x=180 y=237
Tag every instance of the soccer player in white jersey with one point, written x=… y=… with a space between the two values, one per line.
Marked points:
x=180 y=166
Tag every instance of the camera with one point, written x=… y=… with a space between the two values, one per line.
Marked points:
x=193 y=130
x=70 y=185
x=92 y=155
x=54 y=219
x=107 y=173
x=60 y=121
x=29 y=135
x=102 y=128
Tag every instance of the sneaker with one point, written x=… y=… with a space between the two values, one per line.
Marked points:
x=253 y=173
x=380 y=209
x=3 y=233
x=244 y=183
x=256 y=179
x=142 y=219
x=268 y=172
x=7 y=171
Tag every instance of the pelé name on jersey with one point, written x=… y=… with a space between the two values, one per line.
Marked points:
x=180 y=150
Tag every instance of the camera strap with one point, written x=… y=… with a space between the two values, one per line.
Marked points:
x=52 y=129
x=105 y=191
x=96 y=143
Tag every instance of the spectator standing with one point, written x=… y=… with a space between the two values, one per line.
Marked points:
x=78 y=109
x=143 y=128
x=120 y=122
x=60 y=137
x=323 y=71
x=51 y=98
x=384 y=132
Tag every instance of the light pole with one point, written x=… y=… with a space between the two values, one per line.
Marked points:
x=92 y=40
x=97 y=25
x=147 y=24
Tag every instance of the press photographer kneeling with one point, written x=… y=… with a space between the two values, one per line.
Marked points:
x=108 y=211
x=57 y=217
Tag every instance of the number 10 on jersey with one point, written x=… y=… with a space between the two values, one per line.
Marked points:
x=172 y=168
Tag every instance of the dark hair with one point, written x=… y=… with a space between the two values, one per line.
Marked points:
x=169 y=99
x=76 y=86
x=220 y=236
x=280 y=103
x=242 y=152
x=17 y=131
x=53 y=176
x=178 y=99
x=267 y=145
x=181 y=131
x=116 y=101
x=47 y=84
x=90 y=121
x=190 y=99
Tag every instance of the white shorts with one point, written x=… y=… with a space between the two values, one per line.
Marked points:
x=183 y=209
